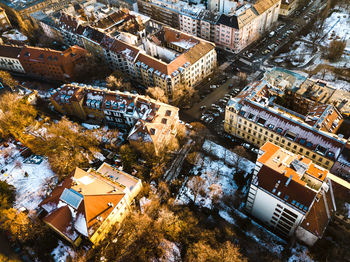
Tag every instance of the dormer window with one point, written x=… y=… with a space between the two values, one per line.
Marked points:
x=168 y=113
x=153 y=131
x=164 y=120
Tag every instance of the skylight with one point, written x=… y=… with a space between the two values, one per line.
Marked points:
x=71 y=197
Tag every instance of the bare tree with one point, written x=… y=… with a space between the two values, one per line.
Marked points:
x=157 y=93
x=197 y=186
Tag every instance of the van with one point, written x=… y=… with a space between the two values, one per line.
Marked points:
x=272 y=33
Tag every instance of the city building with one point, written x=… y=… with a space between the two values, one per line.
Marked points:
x=288 y=7
x=162 y=11
x=88 y=204
x=4 y=21
x=341 y=100
x=305 y=95
x=43 y=63
x=150 y=53
x=147 y=121
x=341 y=167
x=9 y=58
x=253 y=116
x=51 y=64
x=231 y=25
x=290 y=194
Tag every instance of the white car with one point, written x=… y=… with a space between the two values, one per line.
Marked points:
x=246 y=145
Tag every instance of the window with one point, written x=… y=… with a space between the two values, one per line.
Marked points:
x=309 y=144
x=283 y=141
x=307 y=153
x=242 y=113
x=288 y=144
x=327 y=163
x=261 y=121
x=330 y=154
x=251 y=116
x=301 y=150
x=279 y=130
x=313 y=156
x=302 y=141
x=270 y=126
x=321 y=150
x=290 y=136
x=295 y=147
x=293 y=202
x=286 y=197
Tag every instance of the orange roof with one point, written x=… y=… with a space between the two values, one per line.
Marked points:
x=284 y=162
x=97 y=206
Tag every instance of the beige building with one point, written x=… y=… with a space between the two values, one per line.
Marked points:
x=4 y=21
x=88 y=204
x=148 y=121
x=290 y=194
x=253 y=117
x=288 y=7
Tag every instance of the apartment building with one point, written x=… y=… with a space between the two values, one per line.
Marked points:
x=254 y=117
x=288 y=7
x=88 y=204
x=232 y=25
x=43 y=63
x=51 y=64
x=304 y=95
x=164 y=12
x=147 y=121
x=290 y=194
x=165 y=58
x=4 y=21
x=9 y=58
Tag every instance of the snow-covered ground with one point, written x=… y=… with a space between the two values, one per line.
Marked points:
x=301 y=55
x=31 y=180
x=217 y=173
x=61 y=252
x=14 y=35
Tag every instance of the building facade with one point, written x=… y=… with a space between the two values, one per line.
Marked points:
x=10 y=58
x=290 y=194
x=231 y=25
x=41 y=63
x=147 y=121
x=4 y=21
x=288 y=7
x=254 y=117
x=166 y=58
x=88 y=204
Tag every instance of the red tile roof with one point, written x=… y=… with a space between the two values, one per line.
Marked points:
x=268 y=178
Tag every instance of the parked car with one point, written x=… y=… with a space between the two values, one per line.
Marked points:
x=203 y=108
x=246 y=145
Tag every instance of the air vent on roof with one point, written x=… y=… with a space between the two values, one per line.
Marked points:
x=289 y=179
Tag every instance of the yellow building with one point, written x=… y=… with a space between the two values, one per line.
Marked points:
x=288 y=7
x=4 y=21
x=149 y=121
x=253 y=117
x=90 y=203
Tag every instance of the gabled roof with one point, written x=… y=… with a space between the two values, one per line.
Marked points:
x=100 y=206
x=268 y=178
x=317 y=219
x=99 y=198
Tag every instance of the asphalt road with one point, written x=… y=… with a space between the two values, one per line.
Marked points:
x=219 y=92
